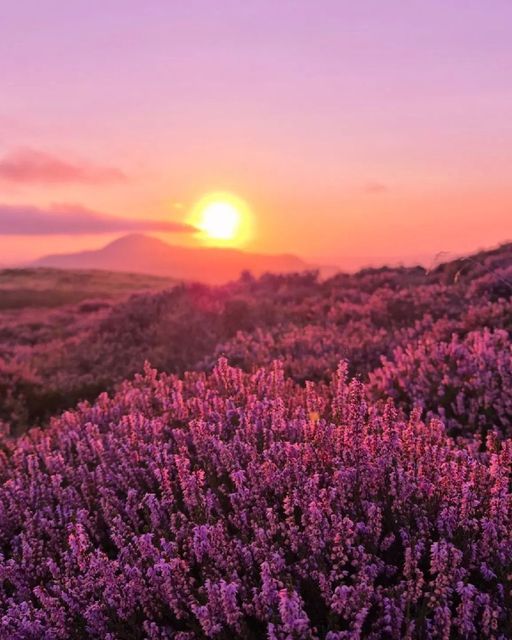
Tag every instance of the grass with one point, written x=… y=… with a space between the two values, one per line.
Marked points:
x=51 y=288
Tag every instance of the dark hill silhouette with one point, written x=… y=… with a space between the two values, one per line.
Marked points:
x=143 y=254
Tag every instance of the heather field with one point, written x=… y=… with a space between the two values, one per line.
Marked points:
x=283 y=457
x=255 y=320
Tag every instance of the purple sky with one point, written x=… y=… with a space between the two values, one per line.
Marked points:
x=363 y=128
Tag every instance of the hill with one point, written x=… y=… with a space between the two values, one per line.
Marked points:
x=144 y=254
x=55 y=360
x=346 y=476
x=48 y=288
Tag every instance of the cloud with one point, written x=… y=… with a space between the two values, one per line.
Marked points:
x=75 y=220
x=31 y=166
x=375 y=188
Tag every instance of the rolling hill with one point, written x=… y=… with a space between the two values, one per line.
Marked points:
x=330 y=458
x=48 y=288
x=144 y=254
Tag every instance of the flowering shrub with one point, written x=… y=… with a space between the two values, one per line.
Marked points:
x=18 y=385
x=78 y=351
x=310 y=352
x=466 y=382
x=237 y=505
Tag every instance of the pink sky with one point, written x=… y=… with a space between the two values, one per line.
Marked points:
x=363 y=128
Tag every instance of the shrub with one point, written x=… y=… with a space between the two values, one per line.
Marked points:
x=467 y=382
x=242 y=506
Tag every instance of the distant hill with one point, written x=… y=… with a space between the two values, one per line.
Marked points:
x=143 y=254
x=30 y=288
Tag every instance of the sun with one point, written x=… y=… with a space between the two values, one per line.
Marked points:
x=222 y=219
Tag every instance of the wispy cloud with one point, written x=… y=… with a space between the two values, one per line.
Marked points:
x=32 y=166
x=375 y=188
x=72 y=219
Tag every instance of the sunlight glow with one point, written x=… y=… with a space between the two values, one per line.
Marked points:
x=222 y=218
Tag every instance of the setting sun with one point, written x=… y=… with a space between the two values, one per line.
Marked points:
x=222 y=218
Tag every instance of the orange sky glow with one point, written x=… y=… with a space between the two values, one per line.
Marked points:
x=355 y=132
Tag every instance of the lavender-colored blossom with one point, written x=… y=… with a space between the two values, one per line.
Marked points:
x=215 y=506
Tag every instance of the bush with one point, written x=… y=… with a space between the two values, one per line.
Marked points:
x=243 y=506
x=467 y=382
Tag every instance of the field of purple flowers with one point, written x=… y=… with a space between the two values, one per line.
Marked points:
x=307 y=460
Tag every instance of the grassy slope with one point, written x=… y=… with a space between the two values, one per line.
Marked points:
x=50 y=288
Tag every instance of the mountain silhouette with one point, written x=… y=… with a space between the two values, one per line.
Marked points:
x=138 y=253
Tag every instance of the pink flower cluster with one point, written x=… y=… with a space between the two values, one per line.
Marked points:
x=466 y=382
x=72 y=353
x=234 y=505
x=310 y=352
